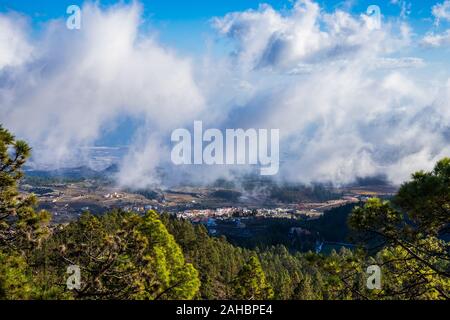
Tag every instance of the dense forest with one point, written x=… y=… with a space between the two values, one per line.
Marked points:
x=125 y=255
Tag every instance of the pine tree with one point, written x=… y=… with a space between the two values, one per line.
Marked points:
x=412 y=232
x=305 y=289
x=251 y=283
x=122 y=255
x=21 y=227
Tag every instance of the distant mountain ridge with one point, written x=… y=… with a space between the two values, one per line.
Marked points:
x=81 y=172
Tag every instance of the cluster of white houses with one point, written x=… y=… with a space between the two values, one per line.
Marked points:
x=241 y=212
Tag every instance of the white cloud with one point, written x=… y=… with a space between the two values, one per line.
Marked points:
x=400 y=63
x=348 y=109
x=15 y=48
x=437 y=40
x=342 y=122
x=81 y=82
x=266 y=38
x=441 y=11
x=405 y=7
x=347 y=102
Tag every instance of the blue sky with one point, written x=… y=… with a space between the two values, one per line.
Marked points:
x=203 y=9
x=184 y=23
x=185 y=26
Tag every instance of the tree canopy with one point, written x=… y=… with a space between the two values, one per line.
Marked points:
x=126 y=255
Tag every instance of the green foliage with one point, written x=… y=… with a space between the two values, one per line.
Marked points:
x=217 y=261
x=332 y=225
x=304 y=289
x=251 y=283
x=284 y=271
x=22 y=229
x=15 y=280
x=412 y=233
x=20 y=226
x=426 y=200
x=123 y=256
x=407 y=277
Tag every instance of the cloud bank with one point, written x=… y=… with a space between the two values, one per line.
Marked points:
x=347 y=110
x=348 y=98
x=78 y=84
x=441 y=11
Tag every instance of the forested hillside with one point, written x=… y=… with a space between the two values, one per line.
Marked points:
x=125 y=255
